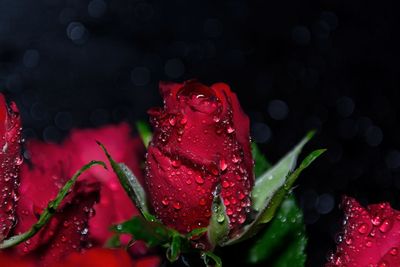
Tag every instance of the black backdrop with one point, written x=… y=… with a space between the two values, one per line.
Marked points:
x=296 y=65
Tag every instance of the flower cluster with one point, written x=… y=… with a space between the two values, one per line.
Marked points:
x=195 y=190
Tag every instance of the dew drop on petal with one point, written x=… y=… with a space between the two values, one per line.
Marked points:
x=362 y=228
x=199 y=179
x=177 y=205
x=394 y=251
x=385 y=226
x=165 y=201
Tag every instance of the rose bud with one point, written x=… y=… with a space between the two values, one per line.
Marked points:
x=200 y=147
x=371 y=236
x=10 y=161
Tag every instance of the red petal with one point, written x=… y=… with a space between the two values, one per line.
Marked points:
x=371 y=235
x=10 y=160
x=99 y=257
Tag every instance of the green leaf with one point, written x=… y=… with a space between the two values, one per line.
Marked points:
x=153 y=233
x=113 y=242
x=261 y=163
x=144 y=132
x=196 y=232
x=218 y=228
x=284 y=240
x=50 y=209
x=207 y=255
x=131 y=185
x=269 y=212
x=269 y=182
x=271 y=189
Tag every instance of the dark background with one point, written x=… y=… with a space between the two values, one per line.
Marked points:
x=296 y=65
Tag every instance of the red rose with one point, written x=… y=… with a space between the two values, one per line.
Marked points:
x=82 y=221
x=200 y=145
x=10 y=160
x=371 y=236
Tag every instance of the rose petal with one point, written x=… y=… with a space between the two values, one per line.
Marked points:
x=10 y=161
x=371 y=235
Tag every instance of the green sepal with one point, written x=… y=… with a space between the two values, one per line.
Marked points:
x=153 y=233
x=271 y=189
x=144 y=132
x=207 y=255
x=50 y=210
x=131 y=185
x=113 y=242
x=270 y=181
x=218 y=228
x=174 y=250
x=283 y=241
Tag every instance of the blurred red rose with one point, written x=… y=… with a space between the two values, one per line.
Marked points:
x=10 y=161
x=82 y=221
x=97 y=257
x=371 y=236
x=201 y=144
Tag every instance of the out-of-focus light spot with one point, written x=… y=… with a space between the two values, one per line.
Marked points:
x=278 y=109
x=212 y=28
x=330 y=18
x=393 y=159
x=51 y=134
x=260 y=132
x=345 y=106
x=97 y=8
x=67 y=15
x=77 y=32
x=38 y=111
x=64 y=120
x=301 y=35
x=374 y=136
x=14 y=83
x=325 y=204
x=174 y=68
x=31 y=58
x=363 y=124
x=140 y=76
x=100 y=117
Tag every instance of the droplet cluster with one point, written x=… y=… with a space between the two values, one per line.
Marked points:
x=370 y=238
x=10 y=162
x=195 y=149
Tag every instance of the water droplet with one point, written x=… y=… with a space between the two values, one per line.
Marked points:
x=383 y=264
x=363 y=228
x=176 y=163
x=230 y=129
x=385 y=226
x=376 y=220
x=189 y=181
x=63 y=239
x=177 y=205
x=241 y=218
x=19 y=160
x=165 y=201
x=394 y=251
x=225 y=184
x=172 y=120
x=220 y=218
x=216 y=119
x=368 y=244
x=202 y=201
x=222 y=165
x=229 y=212
x=183 y=121
x=349 y=241
x=199 y=179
